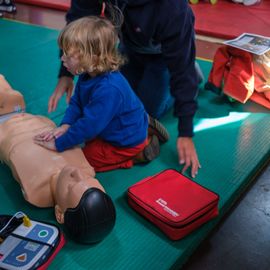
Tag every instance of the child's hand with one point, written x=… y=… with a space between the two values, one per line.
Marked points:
x=46 y=144
x=44 y=136
x=52 y=134
x=57 y=132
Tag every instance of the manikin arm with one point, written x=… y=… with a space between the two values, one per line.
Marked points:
x=10 y=100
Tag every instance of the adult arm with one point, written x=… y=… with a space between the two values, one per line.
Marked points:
x=78 y=9
x=176 y=33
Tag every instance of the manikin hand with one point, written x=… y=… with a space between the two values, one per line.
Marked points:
x=65 y=84
x=46 y=144
x=187 y=155
x=52 y=134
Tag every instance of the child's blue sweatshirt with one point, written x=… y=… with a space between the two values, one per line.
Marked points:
x=163 y=27
x=105 y=107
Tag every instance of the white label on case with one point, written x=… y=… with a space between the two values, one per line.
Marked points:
x=163 y=203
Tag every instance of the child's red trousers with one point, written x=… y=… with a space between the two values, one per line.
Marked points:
x=104 y=157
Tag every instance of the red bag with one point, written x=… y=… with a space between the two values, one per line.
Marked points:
x=173 y=202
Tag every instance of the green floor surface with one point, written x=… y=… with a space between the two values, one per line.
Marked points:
x=233 y=143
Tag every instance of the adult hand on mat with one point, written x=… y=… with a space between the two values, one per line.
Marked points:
x=187 y=155
x=65 y=84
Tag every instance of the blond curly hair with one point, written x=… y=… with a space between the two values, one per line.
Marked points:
x=95 y=40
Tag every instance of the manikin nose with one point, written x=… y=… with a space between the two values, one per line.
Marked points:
x=75 y=173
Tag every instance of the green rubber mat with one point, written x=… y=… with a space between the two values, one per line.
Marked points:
x=233 y=143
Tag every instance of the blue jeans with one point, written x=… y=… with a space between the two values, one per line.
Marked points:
x=149 y=77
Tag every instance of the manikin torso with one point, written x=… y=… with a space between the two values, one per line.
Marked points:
x=35 y=168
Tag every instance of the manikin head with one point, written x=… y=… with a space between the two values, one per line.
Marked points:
x=86 y=211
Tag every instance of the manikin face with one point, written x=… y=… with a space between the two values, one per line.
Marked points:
x=71 y=62
x=71 y=185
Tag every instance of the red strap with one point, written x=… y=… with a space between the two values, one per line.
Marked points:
x=102 y=14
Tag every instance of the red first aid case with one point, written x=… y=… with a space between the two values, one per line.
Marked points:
x=173 y=202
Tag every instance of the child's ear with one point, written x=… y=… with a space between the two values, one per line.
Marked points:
x=59 y=214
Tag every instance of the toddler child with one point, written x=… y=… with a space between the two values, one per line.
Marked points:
x=104 y=114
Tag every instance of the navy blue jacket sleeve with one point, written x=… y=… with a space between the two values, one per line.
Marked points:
x=176 y=34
